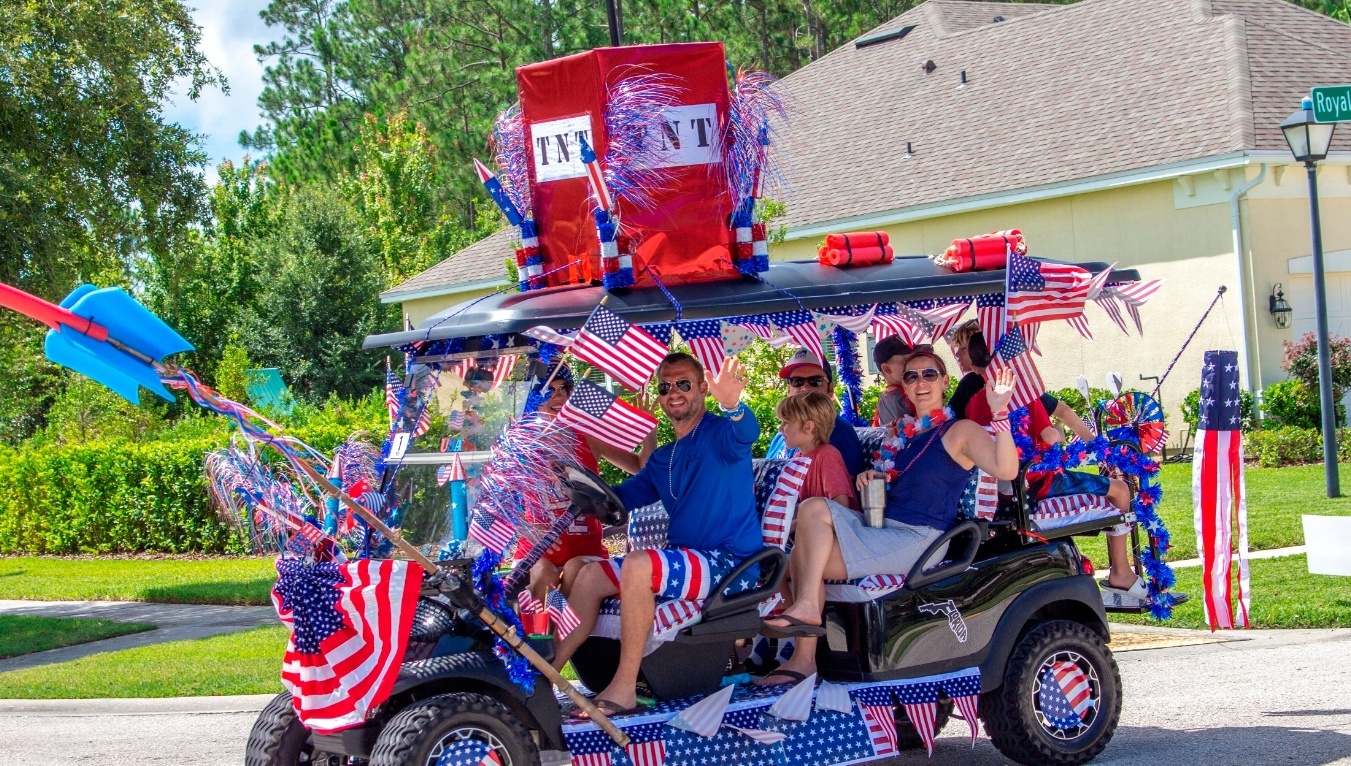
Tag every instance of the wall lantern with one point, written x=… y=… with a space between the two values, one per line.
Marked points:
x=1279 y=307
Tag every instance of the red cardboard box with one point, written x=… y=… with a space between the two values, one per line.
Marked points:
x=683 y=237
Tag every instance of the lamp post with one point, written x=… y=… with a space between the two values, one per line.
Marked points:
x=1309 y=142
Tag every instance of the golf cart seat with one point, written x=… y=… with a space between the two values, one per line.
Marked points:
x=978 y=504
x=692 y=640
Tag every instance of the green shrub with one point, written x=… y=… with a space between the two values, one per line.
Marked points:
x=1290 y=403
x=1247 y=410
x=1289 y=445
x=108 y=497
x=1301 y=361
x=1076 y=400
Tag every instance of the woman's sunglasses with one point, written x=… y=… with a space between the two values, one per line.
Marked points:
x=683 y=384
x=815 y=381
x=912 y=376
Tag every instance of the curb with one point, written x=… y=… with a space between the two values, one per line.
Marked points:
x=249 y=703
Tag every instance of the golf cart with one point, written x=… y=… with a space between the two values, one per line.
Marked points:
x=980 y=629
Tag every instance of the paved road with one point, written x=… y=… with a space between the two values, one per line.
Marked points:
x=175 y=622
x=1280 y=697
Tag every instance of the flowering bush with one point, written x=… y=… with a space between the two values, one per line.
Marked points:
x=1301 y=361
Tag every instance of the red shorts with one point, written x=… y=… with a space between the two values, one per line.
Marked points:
x=583 y=538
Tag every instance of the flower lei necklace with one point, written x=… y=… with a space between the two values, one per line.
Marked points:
x=900 y=436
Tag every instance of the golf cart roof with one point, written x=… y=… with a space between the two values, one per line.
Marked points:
x=786 y=286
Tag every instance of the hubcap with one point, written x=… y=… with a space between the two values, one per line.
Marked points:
x=1066 y=695
x=469 y=732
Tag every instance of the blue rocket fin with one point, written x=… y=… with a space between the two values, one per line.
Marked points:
x=129 y=322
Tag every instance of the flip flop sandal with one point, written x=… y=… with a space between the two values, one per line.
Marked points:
x=794 y=629
x=795 y=677
x=610 y=710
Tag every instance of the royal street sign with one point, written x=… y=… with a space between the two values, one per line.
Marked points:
x=1332 y=103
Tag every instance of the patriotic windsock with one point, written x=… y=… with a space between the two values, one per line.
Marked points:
x=1220 y=505
x=616 y=262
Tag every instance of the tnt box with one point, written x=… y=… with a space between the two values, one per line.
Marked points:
x=683 y=236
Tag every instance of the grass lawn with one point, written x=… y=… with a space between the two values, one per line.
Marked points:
x=1277 y=497
x=219 y=580
x=248 y=662
x=1284 y=595
x=25 y=635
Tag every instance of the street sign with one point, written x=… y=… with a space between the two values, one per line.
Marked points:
x=1332 y=103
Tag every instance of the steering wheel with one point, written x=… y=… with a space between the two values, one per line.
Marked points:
x=591 y=496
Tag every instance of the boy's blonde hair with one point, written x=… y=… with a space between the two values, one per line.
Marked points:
x=812 y=406
x=961 y=336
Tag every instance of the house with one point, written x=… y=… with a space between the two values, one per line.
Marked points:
x=1140 y=132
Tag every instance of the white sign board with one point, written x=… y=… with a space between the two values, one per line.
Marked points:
x=1328 y=542
x=690 y=137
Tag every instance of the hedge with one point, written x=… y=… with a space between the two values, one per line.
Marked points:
x=117 y=497
x=1289 y=445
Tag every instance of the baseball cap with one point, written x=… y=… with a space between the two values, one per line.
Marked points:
x=802 y=358
x=890 y=346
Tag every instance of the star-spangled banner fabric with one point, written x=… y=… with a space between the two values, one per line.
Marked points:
x=921 y=707
x=801 y=327
x=600 y=414
x=1012 y=352
x=627 y=353
x=705 y=716
x=349 y=629
x=1065 y=695
x=735 y=338
x=468 y=752
x=877 y=709
x=990 y=317
x=944 y=313
x=1219 y=494
x=964 y=691
x=704 y=337
x=1038 y=291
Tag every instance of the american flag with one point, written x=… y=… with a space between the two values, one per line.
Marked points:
x=899 y=319
x=627 y=353
x=758 y=325
x=944 y=313
x=801 y=327
x=502 y=370
x=878 y=709
x=1108 y=302
x=424 y=415
x=1012 y=353
x=599 y=190
x=921 y=707
x=600 y=414
x=705 y=339
x=495 y=534
x=349 y=627
x=647 y=745
x=560 y=613
x=1134 y=295
x=394 y=392
x=455 y=421
x=964 y=691
x=590 y=747
x=990 y=316
x=1065 y=696
x=528 y=604
x=468 y=752
x=550 y=335
x=1219 y=493
x=1040 y=292
x=852 y=322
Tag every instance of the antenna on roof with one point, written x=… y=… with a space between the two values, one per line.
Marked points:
x=963 y=83
x=909 y=151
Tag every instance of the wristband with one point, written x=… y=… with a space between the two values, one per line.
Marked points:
x=1000 y=414
x=1001 y=426
x=735 y=409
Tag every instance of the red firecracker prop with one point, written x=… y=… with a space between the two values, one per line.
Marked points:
x=857 y=249
x=982 y=253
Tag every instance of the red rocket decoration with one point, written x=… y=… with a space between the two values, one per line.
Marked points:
x=982 y=253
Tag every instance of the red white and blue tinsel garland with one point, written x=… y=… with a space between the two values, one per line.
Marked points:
x=1129 y=462
x=846 y=359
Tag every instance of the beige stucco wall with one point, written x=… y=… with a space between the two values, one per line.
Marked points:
x=418 y=310
x=1188 y=244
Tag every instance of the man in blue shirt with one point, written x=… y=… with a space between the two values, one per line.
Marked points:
x=705 y=480
x=805 y=372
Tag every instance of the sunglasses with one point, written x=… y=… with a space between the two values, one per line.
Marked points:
x=815 y=381
x=912 y=376
x=684 y=384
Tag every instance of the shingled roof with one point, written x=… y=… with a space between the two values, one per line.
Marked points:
x=1053 y=94
x=482 y=264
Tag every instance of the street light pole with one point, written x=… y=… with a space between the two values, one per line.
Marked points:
x=1309 y=141
x=1320 y=302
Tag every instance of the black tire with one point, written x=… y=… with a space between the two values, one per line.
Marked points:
x=906 y=736
x=278 y=738
x=417 y=735
x=1012 y=714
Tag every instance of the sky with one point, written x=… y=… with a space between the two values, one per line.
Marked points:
x=230 y=29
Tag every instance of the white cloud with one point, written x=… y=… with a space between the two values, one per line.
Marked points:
x=230 y=29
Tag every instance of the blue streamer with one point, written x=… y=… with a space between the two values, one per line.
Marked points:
x=846 y=359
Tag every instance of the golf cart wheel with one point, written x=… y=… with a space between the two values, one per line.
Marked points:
x=1033 y=725
x=422 y=732
x=906 y=736
x=279 y=738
